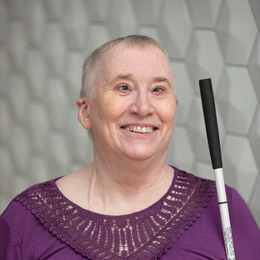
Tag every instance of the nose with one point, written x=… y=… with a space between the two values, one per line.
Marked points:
x=142 y=104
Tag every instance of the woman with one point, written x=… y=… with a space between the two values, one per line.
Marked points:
x=128 y=203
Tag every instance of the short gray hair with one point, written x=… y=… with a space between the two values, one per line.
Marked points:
x=91 y=62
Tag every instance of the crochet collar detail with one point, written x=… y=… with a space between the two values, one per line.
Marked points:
x=146 y=234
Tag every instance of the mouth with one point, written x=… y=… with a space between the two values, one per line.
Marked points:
x=140 y=129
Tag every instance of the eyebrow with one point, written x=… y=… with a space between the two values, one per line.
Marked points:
x=131 y=77
x=124 y=76
x=161 y=79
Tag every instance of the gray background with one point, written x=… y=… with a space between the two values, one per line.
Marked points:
x=43 y=44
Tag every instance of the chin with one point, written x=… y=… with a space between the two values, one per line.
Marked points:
x=140 y=155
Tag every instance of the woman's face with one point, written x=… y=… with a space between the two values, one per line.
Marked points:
x=132 y=109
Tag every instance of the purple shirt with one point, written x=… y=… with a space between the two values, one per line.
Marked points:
x=26 y=234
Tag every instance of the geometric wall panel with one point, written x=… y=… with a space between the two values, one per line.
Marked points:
x=151 y=32
x=254 y=66
x=204 y=170
x=73 y=72
x=126 y=17
x=183 y=91
x=15 y=8
x=239 y=165
x=204 y=12
x=97 y=35
x=98 y=10
x=205 y=59
x=4 y=68
x=255 y=136
x=16 y=43
x=147 y=14
x=58 y=154
x=237 y=100
x=36 y=72
x=79 y=142
x=75 y=23
x=20 y=147
x=54 y=9
x=254 y=203
x=35 y=22
x=20 y=182
x=57 y=102
x=181 y=150
x=3 y=20
x=18 y=96
x=255 y=6
x=55 y=48
x=176 y=28
x=6 y=119
x=38 y=125
x=236 y=34
x=6 y=168
x=38 y=169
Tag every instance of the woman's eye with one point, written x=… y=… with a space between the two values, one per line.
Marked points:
x=123 y=88
x=158 y=89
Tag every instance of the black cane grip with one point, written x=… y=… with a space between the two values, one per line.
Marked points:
x=209 y=110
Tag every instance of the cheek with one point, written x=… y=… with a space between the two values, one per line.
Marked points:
x=109 y=108
x=106 y=109
x=168 y=112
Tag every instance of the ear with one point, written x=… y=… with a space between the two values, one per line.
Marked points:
x=177 y=101
x=83 y=113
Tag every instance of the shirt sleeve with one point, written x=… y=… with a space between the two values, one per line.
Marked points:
x=246 y=233
x=8 y=242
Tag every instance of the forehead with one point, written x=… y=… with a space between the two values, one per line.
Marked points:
x=126 y=58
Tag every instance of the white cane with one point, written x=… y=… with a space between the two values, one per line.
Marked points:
x=210 y=117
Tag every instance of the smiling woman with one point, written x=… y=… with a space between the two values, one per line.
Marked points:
x=128 y=203
x=123 y=96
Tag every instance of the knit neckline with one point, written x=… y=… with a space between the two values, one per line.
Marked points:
x=146 y=234
x=157 y=204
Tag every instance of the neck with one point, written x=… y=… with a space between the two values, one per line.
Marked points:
x=125 y=186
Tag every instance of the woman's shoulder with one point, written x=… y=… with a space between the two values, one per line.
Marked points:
x=192 y=177
x=12 y=206
x=18 y=208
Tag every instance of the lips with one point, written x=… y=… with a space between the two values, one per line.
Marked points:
x=140 y=129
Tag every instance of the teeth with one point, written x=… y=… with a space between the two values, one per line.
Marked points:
x=139 y=129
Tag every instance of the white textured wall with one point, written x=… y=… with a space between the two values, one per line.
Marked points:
x=43 y=44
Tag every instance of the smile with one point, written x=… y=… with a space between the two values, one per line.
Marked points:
x=139 y=129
